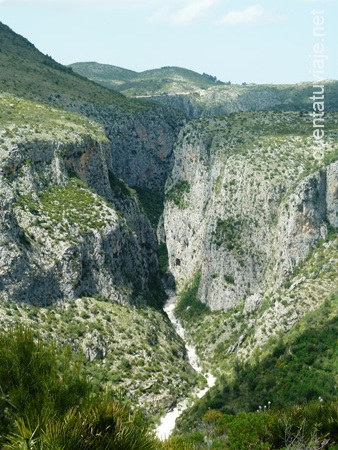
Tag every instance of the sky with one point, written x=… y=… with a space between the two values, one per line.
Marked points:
x=253 y=41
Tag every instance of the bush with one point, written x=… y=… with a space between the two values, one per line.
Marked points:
x=36 y=378
x=47 y=404
x=163 y=258
x=106 y=425
x=189 y=307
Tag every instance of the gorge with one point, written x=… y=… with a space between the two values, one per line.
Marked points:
x=181 y=246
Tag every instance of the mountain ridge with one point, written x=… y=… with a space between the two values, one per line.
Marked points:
x=203 y=95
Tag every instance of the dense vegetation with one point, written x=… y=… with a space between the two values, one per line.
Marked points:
x=47 y=403
x=127 y=349
x=309 y=427
x=298 y=367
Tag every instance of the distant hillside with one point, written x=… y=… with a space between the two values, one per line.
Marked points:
x=203 y=95
x=227 y=99
x=148 y=83
x=104 y=73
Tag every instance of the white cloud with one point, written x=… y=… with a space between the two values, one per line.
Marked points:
x=160 y=15
x=252 y=14
x=191 y=11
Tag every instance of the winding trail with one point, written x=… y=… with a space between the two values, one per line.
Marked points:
x=167 y=423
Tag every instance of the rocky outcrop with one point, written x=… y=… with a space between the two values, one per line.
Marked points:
x=142 y=146
x=222 y=100
x=226 y=99
x=68 y=226
x=245 y=202
x=332 y=194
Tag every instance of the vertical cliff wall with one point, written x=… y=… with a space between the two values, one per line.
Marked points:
x=245 y=202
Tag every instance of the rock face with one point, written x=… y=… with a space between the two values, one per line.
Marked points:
x=142 y=146
x=245 y=202
x=141 y=143
x=68 y=226
x=223 y=100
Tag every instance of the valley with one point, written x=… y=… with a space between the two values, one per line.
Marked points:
x=168 y=242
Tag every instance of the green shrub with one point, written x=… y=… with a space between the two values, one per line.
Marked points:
x=189 y=307
x=163 y=258
x=99 y=426
x=177 y=194
x=312 y=427
x=229 y=279
x=47 y=404
x=36 y=379
x=119 y=187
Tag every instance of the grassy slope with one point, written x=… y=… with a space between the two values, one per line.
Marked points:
x=109 y=76
x=300 y=367
x=103 y=71
x=26 y=72
x=22 y=120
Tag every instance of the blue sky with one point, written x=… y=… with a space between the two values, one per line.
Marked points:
x=260 y=41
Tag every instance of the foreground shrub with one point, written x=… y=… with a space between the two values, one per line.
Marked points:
x=37 y=379
x=46 y=403
x=106 y=425
x=313 y=426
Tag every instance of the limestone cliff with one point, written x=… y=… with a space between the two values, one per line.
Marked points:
x=245 y=202
x=226 y=99
x=69 y=226
x=141 y=144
